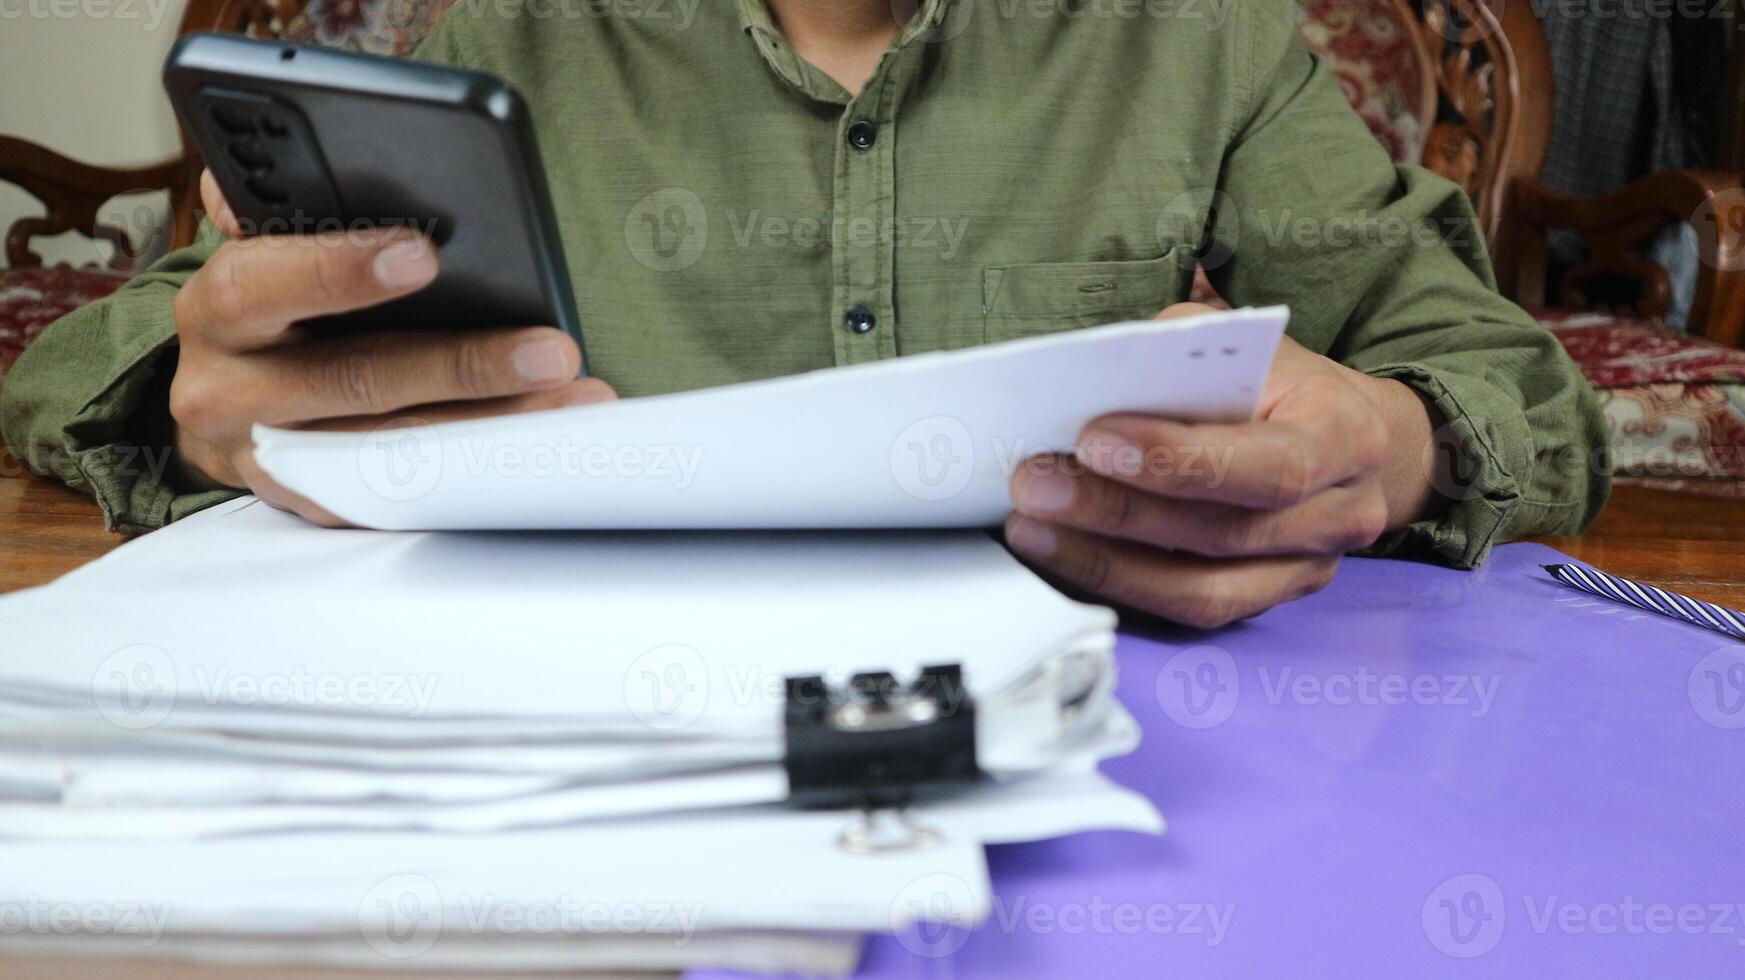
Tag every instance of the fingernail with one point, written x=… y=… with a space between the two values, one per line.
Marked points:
x=1032 y=539
x=1109 y=454
x=407 y=263
x=585 y=393
x=1047 y=492
x=542 y=361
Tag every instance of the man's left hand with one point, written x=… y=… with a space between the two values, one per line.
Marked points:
x=1206 y=524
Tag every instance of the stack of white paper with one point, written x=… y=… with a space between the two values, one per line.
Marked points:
x=267 y=730
x=257 y=740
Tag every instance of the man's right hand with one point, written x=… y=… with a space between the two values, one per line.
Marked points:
x=242 y=361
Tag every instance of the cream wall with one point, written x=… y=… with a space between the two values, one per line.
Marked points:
x=81 y=78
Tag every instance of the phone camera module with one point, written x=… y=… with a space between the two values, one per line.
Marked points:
x=250 y=154
x=266 y=188
x=232 y=119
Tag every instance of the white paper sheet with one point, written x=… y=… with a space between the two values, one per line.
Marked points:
x=923 y=441
x=249 y=619
x=246 y=620
x=456 y=955
x=124 y=796
x=253 y=673
x=746 y=868
x=459 y=956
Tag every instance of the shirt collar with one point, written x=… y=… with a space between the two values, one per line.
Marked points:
x=759 y=25
x=754 y=15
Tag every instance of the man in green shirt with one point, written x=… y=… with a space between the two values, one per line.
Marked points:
x=761 y=188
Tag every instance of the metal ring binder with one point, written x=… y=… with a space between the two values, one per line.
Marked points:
x=866 y=836
x=876 y=744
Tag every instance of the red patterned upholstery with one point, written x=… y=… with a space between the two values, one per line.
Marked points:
x=1617 y=351
x=31 y=299
x=385 y=27
x=1674 y=404
x=1375 y=58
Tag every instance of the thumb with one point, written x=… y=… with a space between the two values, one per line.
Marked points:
x=1184 y=309
x=217 y=208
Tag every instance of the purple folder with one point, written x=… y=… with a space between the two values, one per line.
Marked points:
x=1418 y=772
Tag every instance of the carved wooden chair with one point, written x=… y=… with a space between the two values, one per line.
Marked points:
x=1730 y=147
x=1465 y=88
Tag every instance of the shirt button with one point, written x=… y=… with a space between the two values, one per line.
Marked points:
x=862 y=135
x=861 y=320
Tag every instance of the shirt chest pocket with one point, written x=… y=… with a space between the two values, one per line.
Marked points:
x=1048 y=297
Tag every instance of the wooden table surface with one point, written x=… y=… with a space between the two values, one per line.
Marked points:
x=1687 y=543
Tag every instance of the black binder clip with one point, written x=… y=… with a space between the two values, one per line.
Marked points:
x=876 y=744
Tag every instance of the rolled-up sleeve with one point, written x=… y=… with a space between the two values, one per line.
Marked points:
x=88 y=402
x=1385 y=270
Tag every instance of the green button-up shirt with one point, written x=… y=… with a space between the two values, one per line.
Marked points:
x=1011 y=168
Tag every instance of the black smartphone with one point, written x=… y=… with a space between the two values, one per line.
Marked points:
x=305 y=139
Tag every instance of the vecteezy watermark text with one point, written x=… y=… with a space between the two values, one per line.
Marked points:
x=940 y=234
x=404 y=460
x=1200 y=687
x=150 y=13
x=1468 y=915
x=1097 y=916
x=404 y=915
x=38 y=917
x=138 y=687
